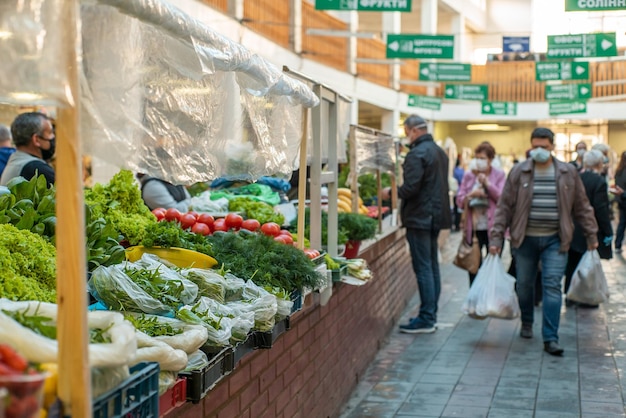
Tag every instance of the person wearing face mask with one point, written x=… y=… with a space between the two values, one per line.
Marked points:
x=581 y=148
x=596 y=191
x=33 y=136
x=541 y=199
x=479 y=193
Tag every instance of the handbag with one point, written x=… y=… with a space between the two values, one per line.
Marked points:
x=468 y=254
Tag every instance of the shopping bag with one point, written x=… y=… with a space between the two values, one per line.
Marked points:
x=493 y=292
x=589 y=282
x=468 y=255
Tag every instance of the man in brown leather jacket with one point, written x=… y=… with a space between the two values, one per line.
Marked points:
x=541 y=199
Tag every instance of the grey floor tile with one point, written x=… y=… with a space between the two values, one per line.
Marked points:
x=420 y=410
x=601 y=408
x=474 y=390
x=558 y=405
x=512 y=392
x=432 y=389
x=513 y=403
x=453 y=411
x=555 y=414
x=510 y=413
x=429 y=399
x=611 y=395
x=375 y=410
x=565 y=385
x=470 y=400
x=439 y=378
x=390 y=392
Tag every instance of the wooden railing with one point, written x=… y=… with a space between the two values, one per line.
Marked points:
x=332 y=51
x=508 y=81
x=269 y=18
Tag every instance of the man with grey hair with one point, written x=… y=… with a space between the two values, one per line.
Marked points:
x=6 y=147
x=597 y=193
x=34 y=139
x=424 y=211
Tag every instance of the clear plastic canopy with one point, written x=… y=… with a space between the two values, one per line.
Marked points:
x=374 y=151
x=161 y=93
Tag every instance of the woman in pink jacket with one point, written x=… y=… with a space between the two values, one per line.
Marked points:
x=480 y=189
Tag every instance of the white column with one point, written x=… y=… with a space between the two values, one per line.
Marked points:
x=458 y=29
x=295 y=26
x=389 y=121
x=235 y=9
x=392 y=23
x=429 y=17
x=352 y=42
x=354 y=112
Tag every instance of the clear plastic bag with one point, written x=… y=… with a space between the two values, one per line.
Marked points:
x=261 y=302
x=493 y=292
x=242 y=321
x=197 y=361
x=218 y=328
x=151 y=349
x=589 y=282
x=210 y=283
x=190 y=338
x=103 y=379
x=167 y=380
x=234 y=287
x=152 y=262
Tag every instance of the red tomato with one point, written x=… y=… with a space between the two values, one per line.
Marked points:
x=200 y=228
x=281 y=238
x=311 y=252
x=284 y=232
x=187 y=220
x=159 y=213
x=251 y=225
x=271 y=229
x=172 y=214
x=234 y=221
x=220 y=225
x=207 y=219
x=12 y=359
x=195 y=214
x=287 y=237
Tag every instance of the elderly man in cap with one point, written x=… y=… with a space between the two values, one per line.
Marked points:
x=424 y=211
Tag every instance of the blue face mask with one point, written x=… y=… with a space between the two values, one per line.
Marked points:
x=540 y=155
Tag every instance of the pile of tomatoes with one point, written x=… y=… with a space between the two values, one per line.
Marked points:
x=205 y=224
x=22 y=382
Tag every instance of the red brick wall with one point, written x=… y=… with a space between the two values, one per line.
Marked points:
x=312 y=369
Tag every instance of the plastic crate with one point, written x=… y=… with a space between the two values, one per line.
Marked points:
x=266 y=339
x=243 y=348
x=136 y=397
x=199 y=382
x=173 y=397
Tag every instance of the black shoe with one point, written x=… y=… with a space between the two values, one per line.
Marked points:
x=527 y=331
x=552 y=348
x=569 y=303
x=587 y=306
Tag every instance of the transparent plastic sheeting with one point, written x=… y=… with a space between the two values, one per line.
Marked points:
x=374 y=151
x=167 y=96
x=31 y=36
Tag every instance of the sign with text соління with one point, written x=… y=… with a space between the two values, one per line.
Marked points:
x=365 y=5
x=594 y=5
x=582 y=45
x=425 y=102
x=445 y=72
x=516 y=44
x=420 y=46
x=563 y=70
x=568 y=91
x=563 y=108
x=499 y=108
x=466 y=91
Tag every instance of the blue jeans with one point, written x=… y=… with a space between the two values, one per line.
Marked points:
x=553 y=262
x=621 y=226
x=423 y=245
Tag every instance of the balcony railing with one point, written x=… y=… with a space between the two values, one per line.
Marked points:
x=508 y=81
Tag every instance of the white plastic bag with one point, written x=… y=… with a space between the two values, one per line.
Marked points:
x=589 y=282
x=242 y=321
x=493 y=292
x=151 y=349
x=189 y=340
x=40 y=349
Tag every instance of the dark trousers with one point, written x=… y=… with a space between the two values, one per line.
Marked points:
x=538 y=285
x=621 y=226
x=423 y=245
x=456 y=215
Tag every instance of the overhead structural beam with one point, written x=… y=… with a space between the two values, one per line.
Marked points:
x=379 y=61
x=340 y=33
x=420 y=83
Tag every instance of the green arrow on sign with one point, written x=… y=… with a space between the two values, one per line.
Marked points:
x=594 y=5
x=365 y=5
x=499 y=108
x=425 y=102
x=445 y=72
x=420 y=46
x=545 y=71
x=466 y=91
x=561 y=108
x=582 y=45
x=568 y=91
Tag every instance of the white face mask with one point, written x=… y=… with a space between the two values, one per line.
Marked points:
x=481 y=164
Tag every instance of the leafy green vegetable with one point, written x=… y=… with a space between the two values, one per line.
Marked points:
x=265 y=261
x=167 y=291
x=169 y=234
x=28 y=266
x=151 y=326
x=103 y=247
x=40 y=324
x=120 y=203
x=357 y=227
x=252 y=209
x=100 y=335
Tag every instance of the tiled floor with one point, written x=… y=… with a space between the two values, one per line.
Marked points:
x=483 y=369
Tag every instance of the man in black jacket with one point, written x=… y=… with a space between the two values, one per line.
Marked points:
x=425 y=210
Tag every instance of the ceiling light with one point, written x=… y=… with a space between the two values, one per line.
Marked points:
x=25 y=96
x=5 y=34
x=491 y=127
